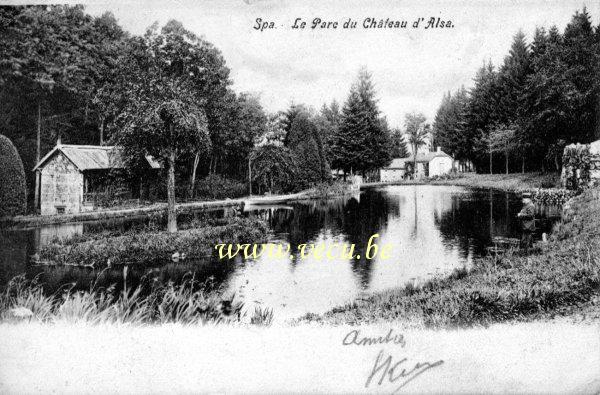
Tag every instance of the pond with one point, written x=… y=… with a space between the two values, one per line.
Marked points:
x=432 y=230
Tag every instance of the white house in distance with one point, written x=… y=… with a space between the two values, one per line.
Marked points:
x=428 y=164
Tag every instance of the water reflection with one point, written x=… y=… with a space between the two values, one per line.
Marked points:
x=433 y=229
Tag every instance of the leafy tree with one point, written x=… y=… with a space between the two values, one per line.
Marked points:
x=503 y=139
x=52 y=61
x=274 y=133
x=13 y=195
x=417 y=131
x=273 y=168
x=162 y=116
x=242 y=121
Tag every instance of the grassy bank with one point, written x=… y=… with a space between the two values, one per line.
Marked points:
x=508 y=182
x=561 y=278
x=151 y=246
x=326 y=190
x=187 y=303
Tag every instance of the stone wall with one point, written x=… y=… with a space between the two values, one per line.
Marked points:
x=595 y=162
x=61 y=186
x=581 y=166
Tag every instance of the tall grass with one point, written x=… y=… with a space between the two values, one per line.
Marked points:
x=562 y=277
x=186 y=303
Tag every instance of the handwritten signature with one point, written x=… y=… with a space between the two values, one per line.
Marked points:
x=399 y=372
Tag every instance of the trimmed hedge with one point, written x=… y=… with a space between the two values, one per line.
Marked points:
x=13 y=190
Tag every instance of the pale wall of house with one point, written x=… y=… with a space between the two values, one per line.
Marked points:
x=61 y=185
x=391 y=175
x=440 y=165
x=595 y=160
x=420 y=171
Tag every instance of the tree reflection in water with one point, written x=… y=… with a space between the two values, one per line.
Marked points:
x=433 y=229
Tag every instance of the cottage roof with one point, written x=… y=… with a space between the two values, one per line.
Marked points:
x=93 y=157
x=400 y=163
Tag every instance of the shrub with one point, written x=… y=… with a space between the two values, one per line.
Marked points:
x=13 y=190
x=330 y=189
x=553 y=197
x=217 y=187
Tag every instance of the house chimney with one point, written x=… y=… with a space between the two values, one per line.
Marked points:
x=58 y=142
x=439 y=149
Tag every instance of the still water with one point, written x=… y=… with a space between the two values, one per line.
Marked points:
x=431 y=229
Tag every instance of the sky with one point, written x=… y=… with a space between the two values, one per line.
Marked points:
x=411 y=68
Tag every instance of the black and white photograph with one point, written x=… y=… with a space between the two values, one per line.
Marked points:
x=300 y=196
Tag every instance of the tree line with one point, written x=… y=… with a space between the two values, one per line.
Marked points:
x=519 y=116
x=168 y=93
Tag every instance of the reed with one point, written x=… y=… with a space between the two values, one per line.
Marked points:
x=189 y=302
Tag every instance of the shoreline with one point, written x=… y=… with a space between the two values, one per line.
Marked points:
x=559 y=278
x=516 y=182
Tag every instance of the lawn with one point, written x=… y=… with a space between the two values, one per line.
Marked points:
x=507 y=182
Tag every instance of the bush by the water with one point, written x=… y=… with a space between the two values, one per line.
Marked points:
x=330 y=189
x=553 y=197
x=217 y=187
x=562 y=277
x=151 y=246
x=13 y=193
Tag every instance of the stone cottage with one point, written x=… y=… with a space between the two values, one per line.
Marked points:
x=428 y=164
x=71 y=176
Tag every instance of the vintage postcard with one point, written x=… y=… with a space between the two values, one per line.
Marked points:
x=286 y=196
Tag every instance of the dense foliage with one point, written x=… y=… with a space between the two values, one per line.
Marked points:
x=64 y=72
x=274 y=168
x=53 y=61
x=218 y=187
x=12 y=180
x=547 y=93
x=362 y=142
x=399 y=147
